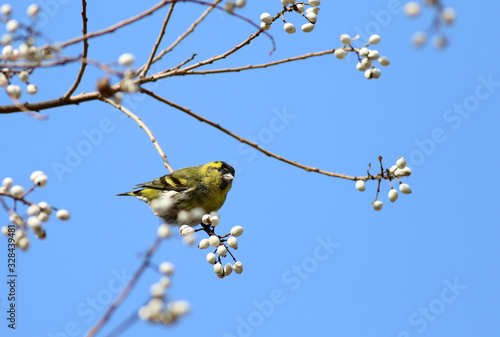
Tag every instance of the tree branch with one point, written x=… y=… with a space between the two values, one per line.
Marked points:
x=142 y=126
x=123 y=295
x=84 y=55
x=158 y=40
x=252 y=144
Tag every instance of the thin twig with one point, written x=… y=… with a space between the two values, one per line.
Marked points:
x=252 y=144
x=123 y=295
x=142 y=126
x=182 y=72
x=158 y=40
x=84 y=55
x=186 y=33
x=156 y=77
x=116 y=26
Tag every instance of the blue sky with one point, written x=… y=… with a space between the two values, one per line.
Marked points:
x=318 y=259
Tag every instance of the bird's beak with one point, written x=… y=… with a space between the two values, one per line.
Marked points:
x=228 y=177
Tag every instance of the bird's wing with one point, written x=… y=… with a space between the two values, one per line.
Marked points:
x=179 y=181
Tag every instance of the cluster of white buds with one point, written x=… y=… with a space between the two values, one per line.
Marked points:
x=366 y=56
x=36 y=214
x=443 y=16
x=396 y=172
x=158 y=310
x=18 y=50
x=229 y=6
x=310 y=14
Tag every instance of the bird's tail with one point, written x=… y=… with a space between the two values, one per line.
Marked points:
x=133 y=194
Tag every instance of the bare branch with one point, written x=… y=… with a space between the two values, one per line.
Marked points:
x=252 y=144
x=182 y=72
x=142 y=126
x=84 y=55
x=118 y=25
x=186 y=33
x=158 y=76
x=123 y=295
x=158 y=40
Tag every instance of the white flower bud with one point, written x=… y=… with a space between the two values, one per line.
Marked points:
x=35 y=174
x=215 y=214
x=16 y=219
x=374 y=39
x=312 y=17
x=222 y=250
x=289 y=28
x=240 y=3
x=14 y=91
x=405 y=188
x=377 y=205
x=376 y=73
x=215 y=221
x=165 y=282
x=232 y=242
x=187 y=230
x=126 y=59
x=401 y=163
x=300 y=8
x=41 y=180
x=24 y=76
x=144 y=313
x=448 y=15
x=369 y=74
x=228 y=269
x=265 y=26
x=155 y=305
x=314 y=10
x=33 y=210
x=206 y=219
x=307 y=27
x=5 y=230
x=6 y=9
x=211 y=258
x=218 y=269
x=384 y=61
x=360 y=185
x=406 y=172
x=204 y=244
x=373 y=55
x=266 y=18
x=366 y=63
x=7 y=50
x=7 y=182
x=44 y=217
x=166 y=268
x=24 y=243
x=178 y=308
x=393 y=195
x=45 y=207
x=34 y=222
x=412 y=8
x=31 y=89
x=314 y=3
x=214 y=241
x=164 y=231
x=236 y=231
x=345 y=39
x=340 y=53
x=360 y=66
x=419 y=39
x=33 y=10
x=238 y=267
x=3 y=80
x=157 y=290
x=17 y=191
x=63 y=215
x=12 y=26
x=364 y=52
